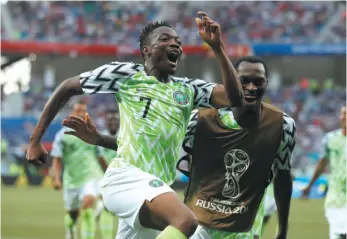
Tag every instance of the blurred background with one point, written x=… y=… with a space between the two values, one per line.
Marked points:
x=43 y=43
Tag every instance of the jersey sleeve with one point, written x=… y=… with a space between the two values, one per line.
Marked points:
x=282 y=160
x=57 y=146
x=202 y=92
x=189 y=136
x=108 y=78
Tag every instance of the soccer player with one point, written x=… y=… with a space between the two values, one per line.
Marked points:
x=234 y=153
x=105 y=218
x=154 y=111
x=80 y=177
x=334 y=146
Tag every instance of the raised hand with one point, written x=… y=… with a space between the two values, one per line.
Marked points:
x=209 y=30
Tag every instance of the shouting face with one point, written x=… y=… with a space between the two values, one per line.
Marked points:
x=163 y=50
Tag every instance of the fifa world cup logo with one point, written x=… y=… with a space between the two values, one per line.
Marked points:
x=236 y=163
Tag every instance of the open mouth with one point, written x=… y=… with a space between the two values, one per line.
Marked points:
x=173 y=57
x=250 y=98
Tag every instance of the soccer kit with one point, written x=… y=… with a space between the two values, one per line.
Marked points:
x=231 y=168
x=153 y=121
x=81 y=168
x=334 y=150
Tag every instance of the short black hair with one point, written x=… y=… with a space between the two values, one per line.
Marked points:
x=148 y=29
x=251 y=59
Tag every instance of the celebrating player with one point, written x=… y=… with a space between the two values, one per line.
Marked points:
x=154 y=110
x=80 y=178
x=334 y=146
x=234 y=152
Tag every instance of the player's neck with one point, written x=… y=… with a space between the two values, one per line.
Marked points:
x=152 y=71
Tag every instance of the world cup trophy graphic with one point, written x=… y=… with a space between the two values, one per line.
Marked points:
x=236 y=163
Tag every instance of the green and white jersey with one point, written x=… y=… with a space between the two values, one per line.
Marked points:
x=153 y=115
x=334 y=150
x=108 y=154
x=79 y=159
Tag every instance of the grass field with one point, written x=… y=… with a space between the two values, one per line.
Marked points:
x=37 y=213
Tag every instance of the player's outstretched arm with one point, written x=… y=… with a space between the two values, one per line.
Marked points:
x=36 y=153
x=319 y=168
x=86 y=130
x=105 y=79
x=317 y=173
x=231 y=94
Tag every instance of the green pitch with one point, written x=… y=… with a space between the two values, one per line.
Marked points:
x=37 y=213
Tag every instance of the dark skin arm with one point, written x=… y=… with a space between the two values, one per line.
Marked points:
x=318 y=172
x=283 y=186
x=230 y=94
x=36 y=153
x=86 y=130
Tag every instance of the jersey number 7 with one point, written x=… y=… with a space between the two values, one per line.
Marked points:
x=147 y=105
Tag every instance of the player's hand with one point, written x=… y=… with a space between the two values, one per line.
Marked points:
x=84 y=129
x=57 y=184
x=36 y=153
x=209 y=30
x=305 y=192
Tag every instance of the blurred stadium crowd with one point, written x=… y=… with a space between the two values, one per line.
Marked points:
x=119 y=22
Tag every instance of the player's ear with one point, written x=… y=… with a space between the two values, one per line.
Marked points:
x=146 y=51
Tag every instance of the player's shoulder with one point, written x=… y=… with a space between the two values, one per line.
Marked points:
x=120 y=68
x=289 y=127
x=288 y=121
x=127 y=64
x=189 y=81
x=181 y=80
x=332 y=134
x=125 y=68
x=272 y=107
